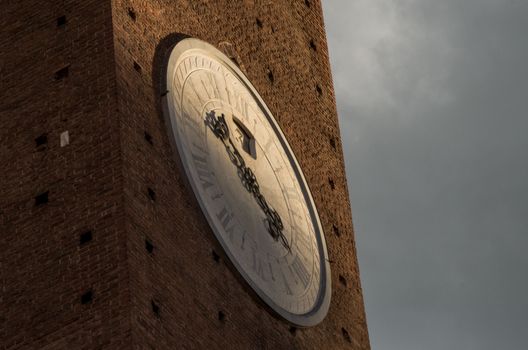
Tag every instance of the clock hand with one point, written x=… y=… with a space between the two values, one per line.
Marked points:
x=220 y=129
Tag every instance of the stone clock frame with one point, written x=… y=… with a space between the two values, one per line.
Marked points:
x=322 y=304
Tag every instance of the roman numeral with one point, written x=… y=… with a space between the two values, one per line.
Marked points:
x=202 y=169
x=259 y=269
x=302 y=238
x=198 y=96
x=225 y=217
x=286 y=285
x=300 y=270
x=191 y=124
x=212 y=82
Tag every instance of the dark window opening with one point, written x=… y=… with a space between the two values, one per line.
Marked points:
x=155 y=308
x=346 y=335
x=85 y=237
x=61 y=21
x=87 y=297
x=62 y=73
x=270 y=76
x=336 y=230
x=41 y=140
x=216 y=257
x=331 y=183
x=137 y=67
x=319 y=90
x=42 y=198
x=259 y=22
x=333 y=143
x=148 y=138
x=149 y=246
x=312 y=45
x=342 y=280
x=307 y=3
x=131 y=13
x=151 y=194
x=293 y=330
x=221 y=316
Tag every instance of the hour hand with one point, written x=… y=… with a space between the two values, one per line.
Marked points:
x=218 y=125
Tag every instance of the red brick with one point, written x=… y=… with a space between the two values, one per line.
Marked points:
x=99 y=181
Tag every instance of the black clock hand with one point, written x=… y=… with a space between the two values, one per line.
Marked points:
x=220 y=129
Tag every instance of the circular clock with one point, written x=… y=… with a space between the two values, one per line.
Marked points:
x=247 y=181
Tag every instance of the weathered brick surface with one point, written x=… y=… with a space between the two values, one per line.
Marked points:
x=100 y=181
x=43 y=269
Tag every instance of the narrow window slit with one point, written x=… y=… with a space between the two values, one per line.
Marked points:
x=148 y=138
x=87 y=297
x=331 y=183
x=293 y=330
x=61 y=21
x=333 y=143
x=259 y=22
x=270 y=76
x=62 y=73
x=342 y=280
x=149 y=246
x=41 y=140
x=151 y=194
x=319 y=90
x=137 y=67
x=346 y=335
x=85 y=237
x=336 y=230
x=312 y=45
x=155 y=308
x=42 y=198
x=216 y=257
x=221 y=316
x=131 y=13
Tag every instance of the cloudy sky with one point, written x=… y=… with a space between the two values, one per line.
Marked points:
x=433 y=105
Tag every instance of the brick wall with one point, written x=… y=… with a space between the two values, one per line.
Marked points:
x=182 y=275
x=44 y=270
x=157 y=277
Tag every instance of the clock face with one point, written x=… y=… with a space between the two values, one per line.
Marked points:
x=247 y=181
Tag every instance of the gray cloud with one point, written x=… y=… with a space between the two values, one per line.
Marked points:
x=432 y=99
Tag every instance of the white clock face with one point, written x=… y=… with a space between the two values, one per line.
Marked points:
x=247 y=181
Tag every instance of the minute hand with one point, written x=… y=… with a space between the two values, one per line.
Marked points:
x=220 y=129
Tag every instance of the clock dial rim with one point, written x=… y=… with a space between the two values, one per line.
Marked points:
x=322 y=303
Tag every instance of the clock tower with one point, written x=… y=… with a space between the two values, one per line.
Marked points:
x=172 y=177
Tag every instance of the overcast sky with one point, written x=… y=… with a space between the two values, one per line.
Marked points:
x=433 y=106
